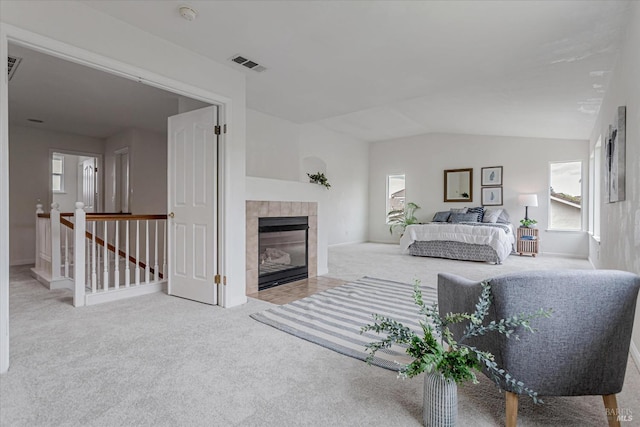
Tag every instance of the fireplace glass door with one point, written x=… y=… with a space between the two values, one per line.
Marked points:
x=282 y=250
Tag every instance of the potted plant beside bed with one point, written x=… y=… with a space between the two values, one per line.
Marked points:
x=398 y=219
x=445 y=361
x=528 y=223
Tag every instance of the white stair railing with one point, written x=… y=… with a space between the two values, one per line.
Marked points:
x=109 y=265
x=91 y=253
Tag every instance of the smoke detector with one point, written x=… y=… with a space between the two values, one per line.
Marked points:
x=13 y=63
x=188 y=13
x=252 y=65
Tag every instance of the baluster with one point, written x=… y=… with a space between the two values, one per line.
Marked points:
x=87 y=257
x=39 y=239
x=66 y=251
x=56 y=266
x=164 y=252
x=137 y=252
x=105 y=251
x=80 y=273
x=147 y=267
x=116 y=257
x=94 y=274
x=127 y=271
x=156 y=272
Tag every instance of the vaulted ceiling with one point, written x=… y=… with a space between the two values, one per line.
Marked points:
x=385 y=69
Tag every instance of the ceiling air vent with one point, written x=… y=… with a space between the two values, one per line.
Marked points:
x=252 y=65
x=13 y=63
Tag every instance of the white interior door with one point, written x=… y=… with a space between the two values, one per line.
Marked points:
x=192 y=203
x=88 y=195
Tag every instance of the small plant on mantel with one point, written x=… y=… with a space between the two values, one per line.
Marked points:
x=435 y=350
x=319 y=178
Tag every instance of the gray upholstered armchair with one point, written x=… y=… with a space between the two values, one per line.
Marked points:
x=581 y=350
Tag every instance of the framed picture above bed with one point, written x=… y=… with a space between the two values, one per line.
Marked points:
x=491 y=196
x=491 y=176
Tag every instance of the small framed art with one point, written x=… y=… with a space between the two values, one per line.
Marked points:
x=491 y=175
x=491 y=196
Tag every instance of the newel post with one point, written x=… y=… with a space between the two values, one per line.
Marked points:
x=56 y=266
x=38 y=237
x=79 y=255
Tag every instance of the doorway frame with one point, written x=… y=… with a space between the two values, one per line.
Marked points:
x=100 y=177
x=18 y=36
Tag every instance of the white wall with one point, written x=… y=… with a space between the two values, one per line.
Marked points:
x=424 y=158
x=620 y=222
x=272 y=147
x=29 y=168
x=277 y=149
x=147 y=170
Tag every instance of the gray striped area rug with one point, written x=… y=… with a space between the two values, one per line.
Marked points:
x=333 y=318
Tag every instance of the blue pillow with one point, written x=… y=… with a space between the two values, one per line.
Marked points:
x=463 y=217
x=479 y=211
x=441 y=216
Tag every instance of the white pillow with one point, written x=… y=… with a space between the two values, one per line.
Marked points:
x=491 y=215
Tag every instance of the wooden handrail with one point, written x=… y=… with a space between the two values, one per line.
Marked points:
x=118 y=217
x=110 y=216
x=112 y=248
x=97 y=213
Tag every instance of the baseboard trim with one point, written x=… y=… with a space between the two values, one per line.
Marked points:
x=355 y=242
x=124 y=293
x=635 y=354
x=566 y=255
x=15 y=263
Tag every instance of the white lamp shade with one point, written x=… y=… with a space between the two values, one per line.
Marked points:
x=528 y=200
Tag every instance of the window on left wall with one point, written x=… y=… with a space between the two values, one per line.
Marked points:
x=57 y=173
x=395 y=193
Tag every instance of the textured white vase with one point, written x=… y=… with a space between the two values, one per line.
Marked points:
x=440 y=401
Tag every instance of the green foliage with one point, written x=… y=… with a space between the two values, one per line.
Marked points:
x=528 y=222
x=319 y=178
x=398 y=219
x=436 y=350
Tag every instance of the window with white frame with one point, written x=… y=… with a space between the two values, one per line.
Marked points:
x=595 y=188
x=57 y=173
x=395 y=193
x=565 y=196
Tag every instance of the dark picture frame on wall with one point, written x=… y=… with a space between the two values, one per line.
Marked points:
x=615 y=151
x=491 y=176
x=491 y=196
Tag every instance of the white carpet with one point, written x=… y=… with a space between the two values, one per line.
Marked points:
x=157 y=360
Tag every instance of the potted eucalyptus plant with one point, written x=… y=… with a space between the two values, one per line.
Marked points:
x=528 y=223
x=398 y=219
x=446 y=361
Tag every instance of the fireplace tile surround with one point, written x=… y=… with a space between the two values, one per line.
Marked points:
x=268 y=209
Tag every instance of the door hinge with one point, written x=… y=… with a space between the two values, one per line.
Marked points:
x=220 y=129
x=216 y=279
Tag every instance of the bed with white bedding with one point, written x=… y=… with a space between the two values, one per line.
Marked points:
x=470 y=241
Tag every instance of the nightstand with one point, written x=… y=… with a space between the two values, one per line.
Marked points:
x=527 y=243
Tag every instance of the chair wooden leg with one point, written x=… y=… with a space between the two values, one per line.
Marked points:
x=512 y=409
x=611 y=407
